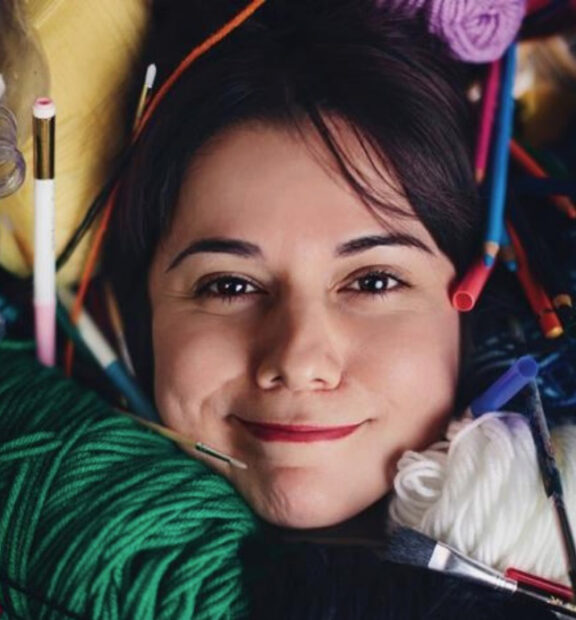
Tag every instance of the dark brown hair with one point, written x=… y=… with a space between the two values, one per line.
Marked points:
x=296 y=62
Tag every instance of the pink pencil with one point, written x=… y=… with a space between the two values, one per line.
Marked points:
x=488 y=112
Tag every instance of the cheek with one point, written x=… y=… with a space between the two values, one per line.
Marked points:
x=194 y=362
x=410 y=362
x=410 y=367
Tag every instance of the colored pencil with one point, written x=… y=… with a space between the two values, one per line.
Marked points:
x=501 y=158
x=535 y=293
x=541 y=263
x=108 y=360
x=489 y=100
x=524 y=159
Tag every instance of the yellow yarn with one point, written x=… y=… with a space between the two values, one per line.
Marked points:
x=92 y=48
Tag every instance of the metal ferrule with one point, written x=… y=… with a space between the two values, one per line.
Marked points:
x=43 y=135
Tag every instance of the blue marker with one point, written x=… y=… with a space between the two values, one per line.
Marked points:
x=506 y=387
x=109 y=362
x=501 y=158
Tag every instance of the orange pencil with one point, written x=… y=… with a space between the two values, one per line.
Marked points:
x=535 y=293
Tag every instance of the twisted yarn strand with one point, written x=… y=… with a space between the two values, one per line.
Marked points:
x=101 y=518
x=481 y=492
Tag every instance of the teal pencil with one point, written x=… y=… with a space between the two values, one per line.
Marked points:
x=501 y=158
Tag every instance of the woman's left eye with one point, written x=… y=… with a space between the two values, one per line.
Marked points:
x=375 y=283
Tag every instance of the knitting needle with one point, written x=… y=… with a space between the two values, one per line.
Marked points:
x=178 y=438
x=202 y=447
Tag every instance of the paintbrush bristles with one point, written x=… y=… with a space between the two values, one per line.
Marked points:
x=407 y=546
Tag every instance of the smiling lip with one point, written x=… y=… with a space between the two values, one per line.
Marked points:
x=297 y=432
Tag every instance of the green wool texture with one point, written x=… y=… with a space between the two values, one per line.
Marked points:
x=101 y=518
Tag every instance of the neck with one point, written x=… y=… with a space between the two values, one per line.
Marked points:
x=366 y=528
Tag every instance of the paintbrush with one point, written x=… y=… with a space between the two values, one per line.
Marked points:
x=407 y=546
x=551 y=476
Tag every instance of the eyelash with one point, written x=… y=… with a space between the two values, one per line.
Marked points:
x=203 y=290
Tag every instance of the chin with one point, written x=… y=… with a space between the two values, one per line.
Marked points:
x=298 y=499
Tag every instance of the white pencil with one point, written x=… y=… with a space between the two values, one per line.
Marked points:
x=44 y=113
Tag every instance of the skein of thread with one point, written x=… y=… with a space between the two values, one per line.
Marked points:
x=103 y=519
x=476 y=31
x=481 y=492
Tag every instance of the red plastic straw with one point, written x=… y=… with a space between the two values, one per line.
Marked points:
x=466 y=294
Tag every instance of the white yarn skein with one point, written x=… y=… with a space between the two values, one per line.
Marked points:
x=481 y=492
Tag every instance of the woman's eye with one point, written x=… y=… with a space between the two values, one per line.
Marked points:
x=226 y=287
x=375 y=283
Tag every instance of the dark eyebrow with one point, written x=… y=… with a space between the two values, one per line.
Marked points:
x=245 y=249
x=366 y=243
x=222 y=245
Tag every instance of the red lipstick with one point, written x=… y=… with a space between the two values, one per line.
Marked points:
x=298 y=432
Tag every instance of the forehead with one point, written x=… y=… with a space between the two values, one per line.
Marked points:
x=264 y=181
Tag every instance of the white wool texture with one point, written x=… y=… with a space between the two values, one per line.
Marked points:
x=481 y=492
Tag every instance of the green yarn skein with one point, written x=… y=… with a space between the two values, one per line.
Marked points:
x=101 y=518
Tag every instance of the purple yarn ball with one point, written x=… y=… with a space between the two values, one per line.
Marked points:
x=476 y=30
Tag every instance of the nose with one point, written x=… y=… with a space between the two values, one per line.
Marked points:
x=298 y=350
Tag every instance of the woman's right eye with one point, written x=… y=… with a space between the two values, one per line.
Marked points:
x=227 y=288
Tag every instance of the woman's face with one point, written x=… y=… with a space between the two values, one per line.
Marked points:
x=295 y=332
